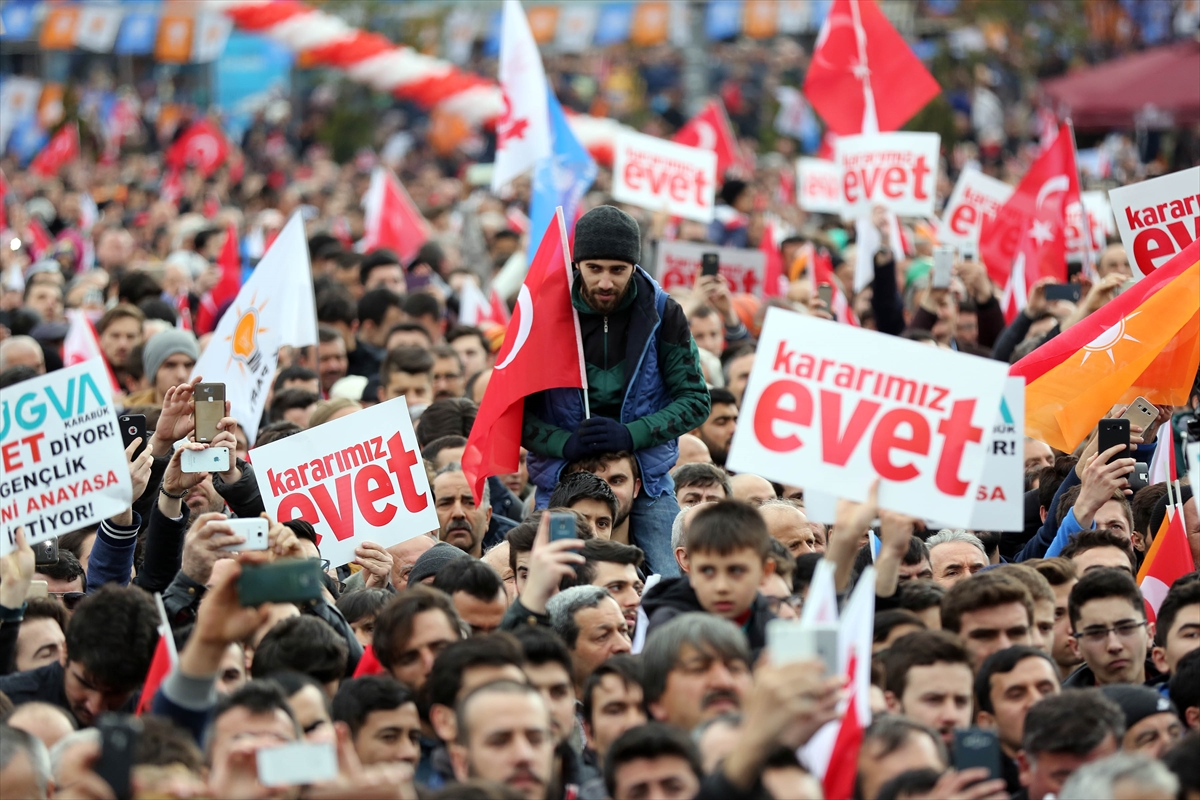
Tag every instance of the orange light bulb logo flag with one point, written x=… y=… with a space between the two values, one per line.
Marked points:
x=244 y=340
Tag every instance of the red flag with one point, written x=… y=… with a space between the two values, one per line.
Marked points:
x=226 y=289
x=392 y=219
x=859 y=93
x=1168 y=559
x=774 y=282
x=1026 y=240
x=38 y=236
x=183 y=311
x=710 y=130
x=58 y=152
x=202 y=146
x=822 y=275
x=368 y=664
x=522 y=368
x=160 y=668
x=81 y=343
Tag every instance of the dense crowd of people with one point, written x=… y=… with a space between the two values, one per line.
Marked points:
x=484 y=659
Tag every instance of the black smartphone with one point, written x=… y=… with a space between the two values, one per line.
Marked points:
x=209 y=401
x=976 y=747
x=1113 y=432
x=133 y=426
x=562 y=526
x=1063 y=291
x=119 y=736
x=710 y=264
x=292 y=580
x=45 y=554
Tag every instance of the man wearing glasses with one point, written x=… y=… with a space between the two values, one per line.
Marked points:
x=1109 y=627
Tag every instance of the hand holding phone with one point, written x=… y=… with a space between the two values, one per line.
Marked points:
x=943 y=266
x=977 y=748
x=562 y=526
x=210 y=460
x=1062 y=291
x=1113 y=433
x=289 y=580
x=825 y=293
x=792 y=640
x=133 y=427
x=710 y=264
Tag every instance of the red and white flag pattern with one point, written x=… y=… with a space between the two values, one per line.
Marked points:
x=710 y=130
x=202 y=146
x=81 y=344
x=523 y=130
x=392 y=219
x=1027 y=239
x=62 y=149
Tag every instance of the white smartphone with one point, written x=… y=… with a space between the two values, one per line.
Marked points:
x=210 y=459
x=297 y=764
x=943 y=266
x=791 y=640
x=254 y=529
x=966 y=251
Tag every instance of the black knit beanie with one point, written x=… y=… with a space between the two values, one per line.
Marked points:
x=607 y=232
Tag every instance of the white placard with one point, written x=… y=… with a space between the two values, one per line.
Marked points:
x=660 y=175
x=359 y=478
x=819 y=185
x=676 y=264
x=976 y=196
x=832 y=408
x=1000 y=496
x=895 y=170
x=1157 y=218
x=62 y=462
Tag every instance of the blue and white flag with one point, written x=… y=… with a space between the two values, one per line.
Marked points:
x=560 y=180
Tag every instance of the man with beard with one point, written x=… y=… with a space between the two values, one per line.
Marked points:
x=620 y=472
x=717 y=431
x=462 y=522
x=644 y=384
x=505 y=736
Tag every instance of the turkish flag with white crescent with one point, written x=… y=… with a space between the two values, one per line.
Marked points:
x=1026 y=240
x=710 y=130
x=522 y=365
x=864 y=78
x=81 y=344
x=202 y=146
x=523 y=130
x=391 y=218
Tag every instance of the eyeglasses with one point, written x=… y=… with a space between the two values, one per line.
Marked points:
x=69 y=599
x=1124 y=630
x=794 y=601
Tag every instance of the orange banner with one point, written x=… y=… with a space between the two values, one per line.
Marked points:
x=174 y=43
x=760 y=18
x=58 y=31
x=650 y=22
x=543 y=21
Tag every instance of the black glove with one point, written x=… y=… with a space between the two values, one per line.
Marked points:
x=604 y=435
x=575 y=449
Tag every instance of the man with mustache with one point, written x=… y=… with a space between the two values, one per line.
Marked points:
x=645 y=388
x=695 y=667
x=462 y=522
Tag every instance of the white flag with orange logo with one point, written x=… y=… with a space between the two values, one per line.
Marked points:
x=274 y=309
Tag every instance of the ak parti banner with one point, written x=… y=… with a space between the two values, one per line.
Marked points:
x=830 y=408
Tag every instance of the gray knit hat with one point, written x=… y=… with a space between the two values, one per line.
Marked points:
x=165 y=344
x=607 y=232
x=432 y=560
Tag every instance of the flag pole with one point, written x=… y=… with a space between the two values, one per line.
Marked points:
x=562 y=227
x=1089 y=268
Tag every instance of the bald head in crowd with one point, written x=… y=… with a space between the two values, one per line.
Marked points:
x=22 y=351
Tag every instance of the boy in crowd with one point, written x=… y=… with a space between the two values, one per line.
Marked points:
x=728 y=550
